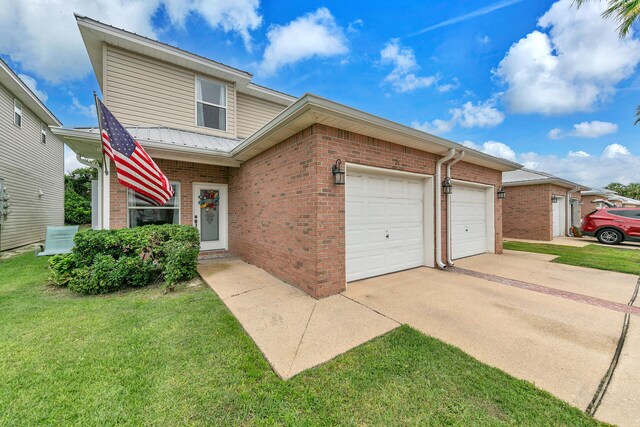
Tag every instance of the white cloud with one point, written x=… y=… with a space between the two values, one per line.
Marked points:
x=614 y=151
x=614 y=164
x=43 y=38
x=71 y=162
x=473 y=14
x=33 y=85
x=494 y=148
x=232 y=16
x=85 y=110
x=448 y=87
x=402 y=78
x=571 y=65
x=480 y=115
x=594 y=129
x=578 y=153
x=483 y=40
x=313 y=34
x=355 y=25
x=555 y=133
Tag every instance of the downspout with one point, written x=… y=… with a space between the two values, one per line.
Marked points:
x=569 y=218
x=99 y=173
x=438 y=192
x=455 y=160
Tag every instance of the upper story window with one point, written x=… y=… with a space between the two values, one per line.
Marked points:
x=211 y=104
x=17 y=113
x=43 y=131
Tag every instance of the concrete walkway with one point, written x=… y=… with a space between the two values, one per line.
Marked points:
x=294 y=331
x=554 y=325
x=561 y=343
x=578 y=242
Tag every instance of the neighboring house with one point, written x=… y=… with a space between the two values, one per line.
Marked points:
x=269 y=158
x=624 y=202
x=538 y=205
x=31 y=165
x=594 y=198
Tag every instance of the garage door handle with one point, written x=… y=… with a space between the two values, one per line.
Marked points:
x=387 y=234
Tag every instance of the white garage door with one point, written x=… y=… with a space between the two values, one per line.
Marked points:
x=468 y=221
x=384 y=224
x=558 y=217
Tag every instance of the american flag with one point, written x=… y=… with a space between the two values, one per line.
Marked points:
x=135 y=169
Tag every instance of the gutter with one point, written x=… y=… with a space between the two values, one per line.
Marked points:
x=455 y=160
x=438 y=185
x=99 y=170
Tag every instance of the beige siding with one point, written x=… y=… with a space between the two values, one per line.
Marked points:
x=142 y=91
x=26 y=166
x=253 y=113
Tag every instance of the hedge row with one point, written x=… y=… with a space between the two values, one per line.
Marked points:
x=108 y=260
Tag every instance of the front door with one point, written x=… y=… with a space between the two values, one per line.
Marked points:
x=210 y=215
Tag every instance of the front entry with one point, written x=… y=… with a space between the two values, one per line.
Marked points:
x=210 y=207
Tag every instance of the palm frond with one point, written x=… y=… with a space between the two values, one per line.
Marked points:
x=637 y=116
x=625 y=12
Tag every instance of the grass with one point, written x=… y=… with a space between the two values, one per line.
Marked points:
x=141 y=357
x=593 y=256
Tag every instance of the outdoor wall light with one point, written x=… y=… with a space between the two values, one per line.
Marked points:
x=501 y=193
x=554 y=199
x=338 y=174
x=446 y=186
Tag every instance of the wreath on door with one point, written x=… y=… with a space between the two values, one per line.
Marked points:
x=209 y=200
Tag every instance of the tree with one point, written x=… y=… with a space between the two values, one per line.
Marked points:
x=626 y=13
x=632 y=190
x=77 y=196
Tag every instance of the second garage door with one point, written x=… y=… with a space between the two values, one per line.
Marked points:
x=384 y=224
x=468 y=221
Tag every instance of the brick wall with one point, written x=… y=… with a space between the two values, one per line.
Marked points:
x=587 y=205
x=302 y=239
x=272 y=211
x=185 y=173
x=528 y=211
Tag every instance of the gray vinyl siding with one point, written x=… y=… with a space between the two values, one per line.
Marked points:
x=142 y=91
x=253 y=113
x=26 y=166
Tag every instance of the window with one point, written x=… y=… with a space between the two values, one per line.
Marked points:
x=17 y=113
x=634 y=214
x=43 y=131
x=211 y=104
x=141 y=212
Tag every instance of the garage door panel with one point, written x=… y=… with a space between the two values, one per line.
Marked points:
x=468 y=221
x=378 y=205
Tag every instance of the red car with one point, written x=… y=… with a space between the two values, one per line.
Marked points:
x=613 y=225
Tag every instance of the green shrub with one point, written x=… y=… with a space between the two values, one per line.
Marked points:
x=62 y=268
x=180 y=262
x=77 y=210
x=107 y=260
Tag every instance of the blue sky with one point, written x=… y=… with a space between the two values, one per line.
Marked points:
x=534 y=81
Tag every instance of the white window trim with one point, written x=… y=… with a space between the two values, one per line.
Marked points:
x=225 y=107
x=43 y=131
x=179 y=205
x=15 y=111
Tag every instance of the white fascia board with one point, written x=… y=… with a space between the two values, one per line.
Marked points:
x=93 y=31
x=21 y=91
x=310 y=102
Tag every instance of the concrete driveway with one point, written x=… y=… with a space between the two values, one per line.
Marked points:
x=554 y=325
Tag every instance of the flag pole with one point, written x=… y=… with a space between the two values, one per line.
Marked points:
x=105 y=164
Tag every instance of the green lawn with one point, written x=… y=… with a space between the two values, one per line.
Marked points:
x=142 y=357
x=593 y=256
